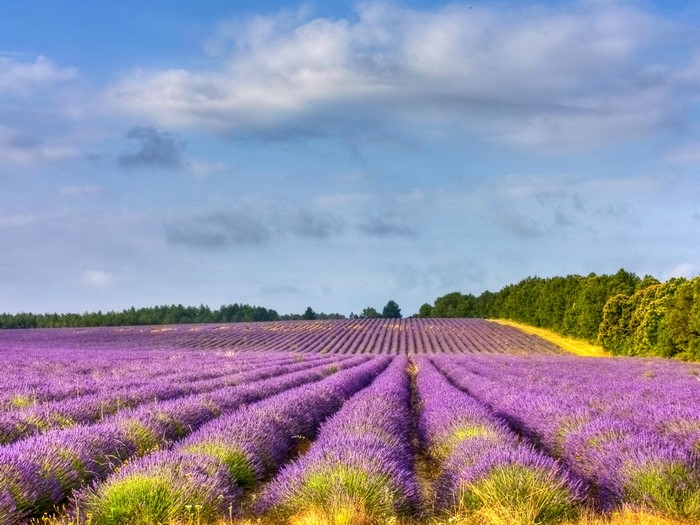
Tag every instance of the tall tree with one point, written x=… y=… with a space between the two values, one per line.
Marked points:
x=391 y=310
x=309 y=314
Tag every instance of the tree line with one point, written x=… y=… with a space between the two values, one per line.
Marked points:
x=177 y=314
x=624 y=313
x=166 y=314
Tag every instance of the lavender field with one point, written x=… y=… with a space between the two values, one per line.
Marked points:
x=346 y=421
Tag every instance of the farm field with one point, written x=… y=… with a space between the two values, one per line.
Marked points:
x=353 y=421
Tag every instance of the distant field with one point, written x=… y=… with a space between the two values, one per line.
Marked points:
x=347 y=422
x=365 y=336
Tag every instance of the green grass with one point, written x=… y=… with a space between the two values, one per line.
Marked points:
x=519 y=496
x=235 y=460
x=145 y=440
x=341 y=495
x=22 y=401
x=671 y=490
x=149 y=500
x=457 y=435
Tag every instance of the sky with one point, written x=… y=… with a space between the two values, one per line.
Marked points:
x=341 y=154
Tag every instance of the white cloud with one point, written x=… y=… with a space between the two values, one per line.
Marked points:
x=21 y=78
x=686 y=155
x=97 y=278
x=203 y=169
x=531 y=76
x=685 y=269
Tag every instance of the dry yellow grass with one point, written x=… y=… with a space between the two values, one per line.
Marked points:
x=571 y=345
x=623 y=517
x=629 y=517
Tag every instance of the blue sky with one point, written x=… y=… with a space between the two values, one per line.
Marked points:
x=341 y=154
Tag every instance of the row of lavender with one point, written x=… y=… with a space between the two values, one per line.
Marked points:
x=374 y=336
x=39 y=472
x=629 y=428
x=32 y=377
x=497 y=430
x=114 y=396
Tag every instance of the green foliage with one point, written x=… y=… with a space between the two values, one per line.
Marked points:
x=658 y=319
x=517 y=495
x=669 y=489
x=150 y=500
x=140 y=435
x=623 y=313
x=391 y=310
x=341 y=487
x=425 y=310
x=235 y=460
x=614 y=327
x=458 y=434
x=454 y=305
x=173 y=314
x=309 y=314
x=370 y=313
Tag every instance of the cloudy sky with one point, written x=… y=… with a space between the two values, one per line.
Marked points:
x=341 y=154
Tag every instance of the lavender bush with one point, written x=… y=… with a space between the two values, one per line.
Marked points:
x=485 y=468
x=361 y=460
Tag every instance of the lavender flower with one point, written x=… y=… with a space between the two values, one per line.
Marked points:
x=361 y=459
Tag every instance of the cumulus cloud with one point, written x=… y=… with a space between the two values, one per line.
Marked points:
x=97 y=278
x=20 y=78
x=536 y=77
x=155 y=149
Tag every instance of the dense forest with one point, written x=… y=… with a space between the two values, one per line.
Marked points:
x=172 y=314
x=624 y=313
x=178 y=314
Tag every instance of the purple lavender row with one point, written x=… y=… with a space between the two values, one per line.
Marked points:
x=669 y=389
x=623 y=462
x=176 y=370
x=38 y=383
x=215 y=461
x=90 y=409
x=362 y=458
x=45 y=387
x=40 y=472
x=383 y=336
x=484 y=466
x=56 y=375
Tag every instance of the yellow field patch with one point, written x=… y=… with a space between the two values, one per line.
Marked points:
x=571 y=345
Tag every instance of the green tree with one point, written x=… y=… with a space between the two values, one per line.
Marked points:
x=391 y=310
x=370 y=313
x=425 y=310
x=309 y=314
